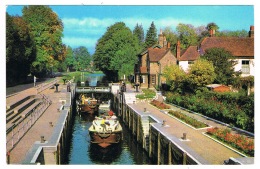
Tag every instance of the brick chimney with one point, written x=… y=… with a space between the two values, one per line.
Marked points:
x=251 y=32
x=212 y=32
x=161 y=38
x=168 y=45
x=178 y=50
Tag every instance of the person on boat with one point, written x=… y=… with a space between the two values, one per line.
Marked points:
x=113 y=117
x=102 y=124
x=110 y=113
x=82 y=99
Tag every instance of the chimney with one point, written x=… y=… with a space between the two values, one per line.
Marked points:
x=168 y=45
x=178 y=50
x=161 y=39
x=251 y=32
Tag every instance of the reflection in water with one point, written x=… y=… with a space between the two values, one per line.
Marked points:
x=107 y=155
x=83 y=152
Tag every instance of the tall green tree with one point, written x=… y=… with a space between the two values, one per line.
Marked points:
x=151 y=36
x=46 y=28
x=139 y=33
x=70 y=59
x=187 y=35
x=171 y=37
x=116 y=51
x=20 y=50
x=224 y=63
x=82 y=58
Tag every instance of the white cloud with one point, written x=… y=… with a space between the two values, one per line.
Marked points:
x=86 y=31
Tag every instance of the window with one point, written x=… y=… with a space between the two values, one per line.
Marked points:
x=190 y=62
x=245 y=67
x=143 y=78
x=153 y=79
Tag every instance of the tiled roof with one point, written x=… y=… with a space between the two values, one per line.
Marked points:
x=156 y=54
x=190 y=53
x=146 y=50
x=237 y=46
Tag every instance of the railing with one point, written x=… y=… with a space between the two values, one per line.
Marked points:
x=93 y=89
x=17 y=131
x=45 y=86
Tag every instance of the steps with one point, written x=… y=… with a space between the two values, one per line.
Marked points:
x=20 y=110
x=129 y=97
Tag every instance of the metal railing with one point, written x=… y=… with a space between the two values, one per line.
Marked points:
x=93 y=89
x=45 y=86
x=15 y=133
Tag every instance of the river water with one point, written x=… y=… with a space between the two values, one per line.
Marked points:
x=83 y=152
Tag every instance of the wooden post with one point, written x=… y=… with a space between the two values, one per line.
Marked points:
x=184 y=158
x=159 y=148
x=169 y=154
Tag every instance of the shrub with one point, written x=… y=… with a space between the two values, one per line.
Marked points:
x=189 y=120
x=159 y=105
x=239 y=142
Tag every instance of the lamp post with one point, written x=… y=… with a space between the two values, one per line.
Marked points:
x=159 y=74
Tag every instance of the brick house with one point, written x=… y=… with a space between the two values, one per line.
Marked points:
x=241 y=48
x=151 y=63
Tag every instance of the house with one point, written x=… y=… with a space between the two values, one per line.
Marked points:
x=151 y=63
x=241 y=48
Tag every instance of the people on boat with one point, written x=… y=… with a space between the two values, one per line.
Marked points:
x=82 y=99
x=110 y=113
x=102 y=124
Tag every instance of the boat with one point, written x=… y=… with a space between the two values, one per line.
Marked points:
x=105 y=130
x=87 y=104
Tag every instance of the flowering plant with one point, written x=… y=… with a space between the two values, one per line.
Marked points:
x=240 y=142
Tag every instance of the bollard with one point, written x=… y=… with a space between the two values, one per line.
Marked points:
x=144 y=109
x=133 y=102
x=184 y=137
x=51 y=124
x=42 y=139
x=8 y=157
x=163 y=123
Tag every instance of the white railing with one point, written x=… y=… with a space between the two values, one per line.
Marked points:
x=93 y=89
x=17 y=131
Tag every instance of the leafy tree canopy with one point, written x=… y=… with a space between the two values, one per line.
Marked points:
x=200 y=74
x=224 y=63
x=187 y=35
x=46 y=29
x=82 y=58
x=116 y=51
x=139 y=33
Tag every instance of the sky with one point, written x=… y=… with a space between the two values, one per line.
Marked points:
x=85 y=24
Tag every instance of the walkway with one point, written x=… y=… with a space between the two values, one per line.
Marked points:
x=205 y=147
x=42 y=126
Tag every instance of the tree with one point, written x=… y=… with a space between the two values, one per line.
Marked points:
x=46 y=29
x=82 y=58
x=175 y=77
x=151 y=36
x=69 y=60
x=116 y=51
x=187 y=35
x=224 y=63
x=20 y=50
x=139 y=33
x=200 y=74
x=171 y=37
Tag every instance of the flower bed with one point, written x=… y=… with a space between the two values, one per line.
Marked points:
x=159 y=105
x=189 y=120
x=239 y=142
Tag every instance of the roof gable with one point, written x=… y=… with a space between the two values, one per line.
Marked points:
x=156 y=54
x=191 y=53
x=237 y=46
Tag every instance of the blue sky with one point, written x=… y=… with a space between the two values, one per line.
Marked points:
x=85 y=24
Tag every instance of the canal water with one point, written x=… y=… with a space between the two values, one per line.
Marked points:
x=83 y=152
